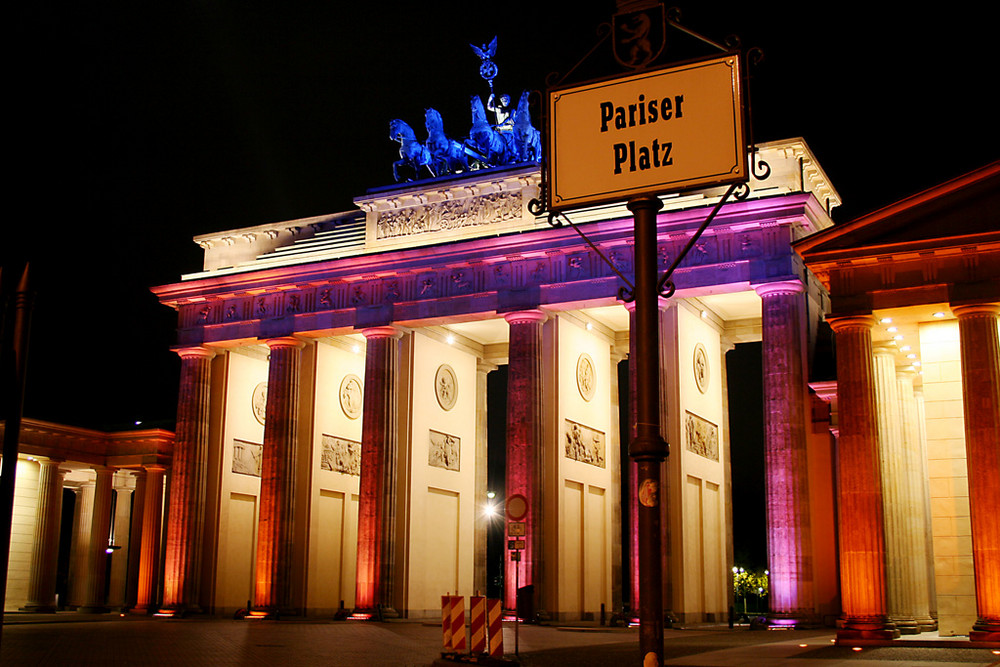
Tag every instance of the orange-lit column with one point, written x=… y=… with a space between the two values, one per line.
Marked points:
x=149 y=550
x=95 y=598
x=524 y=444
x=45 y=556
x=977 y=327
x=378 y=440
x=186 y=518
x=789 y=537
x=862 y=541
x=272 y=590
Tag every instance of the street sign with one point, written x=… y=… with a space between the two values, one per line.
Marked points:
x=668 y=130
x=515 y=555
x=517 y=507
x=516 y=529
x=515 y=544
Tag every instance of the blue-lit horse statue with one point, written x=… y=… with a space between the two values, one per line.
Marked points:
x=447 y=155
x=488 y=145
x=527 y=139
x=413 y=154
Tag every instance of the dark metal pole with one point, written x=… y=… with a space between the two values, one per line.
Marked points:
x=13 y=353
x=648 y=448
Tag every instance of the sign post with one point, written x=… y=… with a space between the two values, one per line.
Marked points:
x=634 y=138
x=516 y=509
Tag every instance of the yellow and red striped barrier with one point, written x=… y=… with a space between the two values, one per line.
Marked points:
x=485 y=625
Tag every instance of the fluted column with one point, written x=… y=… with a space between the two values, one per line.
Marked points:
x=482 y=521
x=524 y=444
x=896 y=501
x=83 y=517
x=378 y=441
x=789 y=537
x=977 y=325
x=914 y=462
x=94 y=597
x=123 y=488
x=862 y=542
x=149 y=551
x=275 y=528
x=45 y=554
x=135 y=537
x=186 y=519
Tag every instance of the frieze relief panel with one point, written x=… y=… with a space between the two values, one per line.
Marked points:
x=490 y=209
x=340 y=455
x=247 y=457
x=584 y=444
x=701 y=437
x=444 y=451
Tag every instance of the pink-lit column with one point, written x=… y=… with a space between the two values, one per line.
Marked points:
x=633 y=472
x=149 y=550
x=862 y=541
x=275 y=528
x=186 y=518
x=135 y=538
x=789 y=538
x=524 y=444
x=378 y=442
x=977 y=325
x=45 y=556
x=94 y=597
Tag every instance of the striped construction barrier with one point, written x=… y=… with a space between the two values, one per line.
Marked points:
x=495 y=627
x=477 y=624
x=457 y=623
x=446 y=622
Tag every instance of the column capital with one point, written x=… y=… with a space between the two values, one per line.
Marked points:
x=847 y=322
x=780 y=287
x=382 y=332
x=195 y=353
x=976 y=309
x=524 y=316
x=885 y=347
x=155 y=467
x=284 y=342
x=484 y=366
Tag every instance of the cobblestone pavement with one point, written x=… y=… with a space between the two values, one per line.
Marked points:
x=109 y=641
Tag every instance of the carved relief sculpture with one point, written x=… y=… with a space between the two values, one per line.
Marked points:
x=586 y=377
x=341 y=455
x=702 y=437
x=351 y=395
x=446 y=387
x=444 y=451
x=247 y=457
x=258 y=402
x=584 y=444
x=701 y=374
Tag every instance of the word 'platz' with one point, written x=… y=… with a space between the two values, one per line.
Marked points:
x=642 y=112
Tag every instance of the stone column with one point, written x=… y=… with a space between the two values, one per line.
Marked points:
x=483 y=521
x=378 y=441
x=135 y=538
x=633 y=473
x=862 y=542
x=896 y=501
x=615 y=469
x=149 y=550
x=83 y=518
x=120 y=522
x=915 y=463
x=45 y=554
x=95 y=596
x=789 y=537
x=275 y=528
x=186 y=519
x=977 y=325
x=524 y=444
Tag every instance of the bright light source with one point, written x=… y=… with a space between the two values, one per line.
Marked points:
x=491 y=495
x=886 y=320
x=898 y=337
x=892 y=329
x=450 y=339
x=917 y=364
x=855 y=648
x=911 y=355
x=939 y=314
x=490 y=510
x=138 y=422
x=704 y=314
x=590 y=326
x=803 y=645
x=906 y=348
x=355 y=349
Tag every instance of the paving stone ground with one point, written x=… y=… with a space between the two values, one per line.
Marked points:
x=109 y=641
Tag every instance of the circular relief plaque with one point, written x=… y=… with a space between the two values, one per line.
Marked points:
x=701 y=368
x=586 y=378
x=351 y=395
x=446 y=387
x=258 y=402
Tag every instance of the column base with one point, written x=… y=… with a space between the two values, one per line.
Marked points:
x=859 y=631
x=906 y=625
x=985 y=631
x=365 y=614
x=927 y=624
x=39 y=608
x=176 y=612
x=791 y=621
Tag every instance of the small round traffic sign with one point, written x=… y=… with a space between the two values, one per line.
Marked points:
x=517 y=507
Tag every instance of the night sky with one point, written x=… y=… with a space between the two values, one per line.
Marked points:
x=137 y=126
